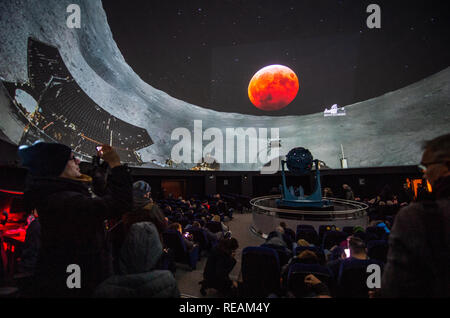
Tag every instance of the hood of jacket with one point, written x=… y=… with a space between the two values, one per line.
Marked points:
x=141 y=249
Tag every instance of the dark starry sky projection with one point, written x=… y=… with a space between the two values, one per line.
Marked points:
x=205 y=52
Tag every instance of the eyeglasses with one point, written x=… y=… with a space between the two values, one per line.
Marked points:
x=423 y=166
x=74 y=159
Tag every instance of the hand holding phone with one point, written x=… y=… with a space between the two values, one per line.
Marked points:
x=108 y=154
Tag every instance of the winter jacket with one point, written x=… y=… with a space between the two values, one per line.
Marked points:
x=71 y=220
x=419 y=248
x=31 y=247
x=217 y=268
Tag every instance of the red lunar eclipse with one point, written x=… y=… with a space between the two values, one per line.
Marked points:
x=273 y=87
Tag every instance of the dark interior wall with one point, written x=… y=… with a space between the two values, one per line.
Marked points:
x=8 y=153
x=230 y=184
x=247 y=185
x=193 y=185
x=364 y=182
x=366 y=185
x=210 y=181
x=12 y=178
x=174 y=188
x=363 y=185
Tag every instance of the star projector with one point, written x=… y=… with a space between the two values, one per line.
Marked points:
x=300 y=161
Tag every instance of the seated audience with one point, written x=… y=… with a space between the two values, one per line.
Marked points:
x=4 y=217
x=212 y=237
x=144 y=210
x=357 y=249
x=78 y=226
x=216 y=218
x=187 y=238
x=305 y=257
x=276 y=238
x=320 y=290
x=406 y=195
x=218 y=267
x=336 y=253
x=327 y=193
x=422 y=192
x=303 y=242
x=386 y=193
x=288 y=235
x=348 y=192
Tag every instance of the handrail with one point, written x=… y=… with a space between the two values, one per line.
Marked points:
x=358 y=206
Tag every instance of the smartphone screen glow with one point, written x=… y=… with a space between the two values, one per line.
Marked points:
x=347 y=252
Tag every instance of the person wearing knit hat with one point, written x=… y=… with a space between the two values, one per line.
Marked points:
x=144 y=210
x=51 y=160
x=71 y=218
x=46 y=159
x=141 y=194
x=141 y=187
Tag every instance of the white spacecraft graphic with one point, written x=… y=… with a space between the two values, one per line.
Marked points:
x=334 y=111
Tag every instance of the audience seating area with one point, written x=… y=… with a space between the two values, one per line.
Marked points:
x=274 y=270
x=271 y=270
x=343 y=277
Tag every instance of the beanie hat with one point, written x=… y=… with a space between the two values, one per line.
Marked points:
x=45 y=159
x=140 y=188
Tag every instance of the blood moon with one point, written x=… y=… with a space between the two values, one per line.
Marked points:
x=273 y=87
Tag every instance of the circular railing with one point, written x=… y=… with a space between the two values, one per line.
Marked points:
x=345 y=209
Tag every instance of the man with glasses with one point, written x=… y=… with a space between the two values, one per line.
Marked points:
x=71 y=217
x=418 y=262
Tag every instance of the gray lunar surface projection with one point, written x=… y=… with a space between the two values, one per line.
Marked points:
x=384 y=131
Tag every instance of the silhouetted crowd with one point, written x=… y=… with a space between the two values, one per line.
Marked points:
x=101 y=235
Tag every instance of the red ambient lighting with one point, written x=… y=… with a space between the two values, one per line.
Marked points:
x=11 y=192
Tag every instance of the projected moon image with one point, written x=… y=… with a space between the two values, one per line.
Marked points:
x=273 y=87
x=380 y=131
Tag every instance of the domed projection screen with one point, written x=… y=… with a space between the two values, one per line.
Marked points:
x=176 y=89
